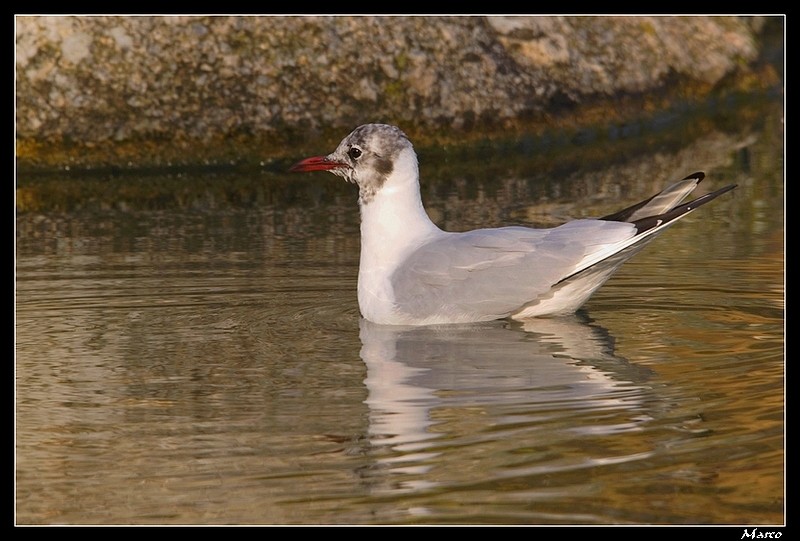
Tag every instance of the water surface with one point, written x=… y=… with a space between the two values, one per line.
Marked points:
x=189 y=351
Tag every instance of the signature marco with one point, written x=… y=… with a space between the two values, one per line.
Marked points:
x=755 y=534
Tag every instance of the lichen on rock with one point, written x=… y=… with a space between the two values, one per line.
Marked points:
x=217 y=87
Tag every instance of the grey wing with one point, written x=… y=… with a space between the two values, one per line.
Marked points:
x=490 y=273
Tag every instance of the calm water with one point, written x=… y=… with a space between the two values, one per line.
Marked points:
x=189 y=351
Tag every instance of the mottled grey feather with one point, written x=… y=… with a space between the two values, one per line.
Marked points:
x=378 y=146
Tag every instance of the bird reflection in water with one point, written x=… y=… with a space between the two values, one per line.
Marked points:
x=436 y=392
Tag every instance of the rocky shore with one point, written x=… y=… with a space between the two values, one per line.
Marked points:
x=150 y=91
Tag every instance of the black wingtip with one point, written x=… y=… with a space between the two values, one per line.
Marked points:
x=654 y=221
x=698 y=176
x=624 y=214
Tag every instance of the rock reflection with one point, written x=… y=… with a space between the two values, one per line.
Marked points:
x=511 y=380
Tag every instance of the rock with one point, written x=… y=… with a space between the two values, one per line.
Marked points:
x=151 y=90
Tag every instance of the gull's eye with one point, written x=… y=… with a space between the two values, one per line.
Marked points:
x=354 y=153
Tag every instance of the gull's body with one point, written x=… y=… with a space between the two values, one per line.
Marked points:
x=413 y=273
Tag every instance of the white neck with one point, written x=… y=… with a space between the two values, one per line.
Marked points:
x=393 y=224
x=394 y=220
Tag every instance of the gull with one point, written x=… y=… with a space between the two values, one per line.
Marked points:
x=411 y=272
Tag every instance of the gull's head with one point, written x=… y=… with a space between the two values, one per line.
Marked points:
x=368 y=157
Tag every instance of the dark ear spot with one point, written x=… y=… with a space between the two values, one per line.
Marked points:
x=383 y=166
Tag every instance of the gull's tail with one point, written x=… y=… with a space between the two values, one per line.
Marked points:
x=665 y=207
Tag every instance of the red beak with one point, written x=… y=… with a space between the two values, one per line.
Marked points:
x=315 y=163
